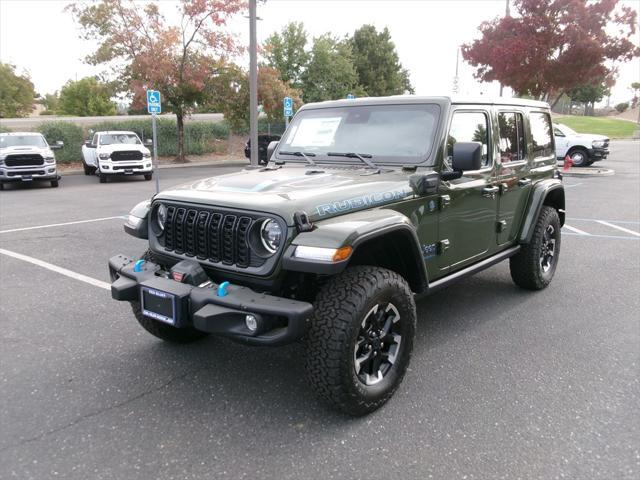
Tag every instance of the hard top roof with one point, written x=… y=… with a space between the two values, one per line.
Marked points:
x=116 y=132
x=415 y=99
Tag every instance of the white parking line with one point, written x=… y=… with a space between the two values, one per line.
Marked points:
x=575 y=230
x=622 y=229
x=62 y=224
x=55 y=268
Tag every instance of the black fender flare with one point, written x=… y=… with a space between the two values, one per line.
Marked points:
x=547 y=192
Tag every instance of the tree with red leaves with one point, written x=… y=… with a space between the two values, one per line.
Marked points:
x=146 y=52
x=552 y=46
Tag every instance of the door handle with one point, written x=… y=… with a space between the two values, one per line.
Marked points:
x=523 y=182
x=490 y=192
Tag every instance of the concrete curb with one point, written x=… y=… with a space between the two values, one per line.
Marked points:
x=216 y=163
x=589 y=172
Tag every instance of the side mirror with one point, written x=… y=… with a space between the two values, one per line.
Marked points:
x=87 y=143
x=57 y=146
x=424 y=183
x=148 y=142
x=271 y=148
x=466 y=156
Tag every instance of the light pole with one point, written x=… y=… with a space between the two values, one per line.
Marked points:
x=253 y=83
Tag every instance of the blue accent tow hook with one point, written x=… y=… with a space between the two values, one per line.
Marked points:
x=137 y=267
x=222 y=289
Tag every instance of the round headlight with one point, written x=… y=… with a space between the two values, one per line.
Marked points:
x=161 y=216
x=271 y=235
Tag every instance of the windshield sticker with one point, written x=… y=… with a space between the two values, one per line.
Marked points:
x=316 y=132
x=364 y=201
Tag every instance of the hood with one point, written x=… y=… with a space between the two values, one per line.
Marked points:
x=26 y=149
x=319 y=191
x=118 y=147
x=590 y=137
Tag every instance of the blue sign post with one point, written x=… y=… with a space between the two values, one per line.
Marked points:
x=287 y=105
x=350 y=96
x=154 y=106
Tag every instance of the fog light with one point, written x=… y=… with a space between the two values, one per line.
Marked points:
x=251 y=322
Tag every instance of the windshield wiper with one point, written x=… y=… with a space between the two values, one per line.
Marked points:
x=363 y=157
x=301 y=154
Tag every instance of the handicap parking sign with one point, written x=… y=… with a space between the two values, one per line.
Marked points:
x=153 y=101
x=288 y=106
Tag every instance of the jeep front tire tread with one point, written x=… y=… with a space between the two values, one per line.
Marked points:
x=340 y=310
x=526 y=266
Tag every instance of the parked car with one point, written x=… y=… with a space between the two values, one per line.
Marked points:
x=263 y=143
x=582 y=148
x=369 y=202
x=27 y=157
x=116 y=153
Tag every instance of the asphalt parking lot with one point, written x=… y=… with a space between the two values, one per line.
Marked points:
x=503 y=383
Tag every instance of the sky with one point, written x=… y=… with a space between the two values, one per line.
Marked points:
x=427 y=34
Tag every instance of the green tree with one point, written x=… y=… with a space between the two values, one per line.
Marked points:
x=86 y=98
x=377 y=64
x=589 y=94
x=330 y=74
x=51 y=102
x=285 y=51
x=16 y=93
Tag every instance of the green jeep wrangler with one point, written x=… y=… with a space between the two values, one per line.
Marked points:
x=363 y=205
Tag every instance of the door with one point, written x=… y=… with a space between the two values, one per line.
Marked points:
x=562 y=143
x=92 y=152
x=468 y=205
x=513 y=171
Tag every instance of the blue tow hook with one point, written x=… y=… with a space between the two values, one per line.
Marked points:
x=222 y=289
x=137 y=267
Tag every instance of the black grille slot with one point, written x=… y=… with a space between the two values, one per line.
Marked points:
x=178 y=230
x=228 y=240
x=169 y=236
x=190 y=233
x=214 y=236
x=201 y=235
x=23 y=160
x=124 y=155
x=242 y=247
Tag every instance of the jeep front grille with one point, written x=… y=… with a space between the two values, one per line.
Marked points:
x=23 y=160
x=125 y=155
x=211 y=236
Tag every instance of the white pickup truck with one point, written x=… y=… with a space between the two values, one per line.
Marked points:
x=116 y=153
x=27 y=157
x=582 y=148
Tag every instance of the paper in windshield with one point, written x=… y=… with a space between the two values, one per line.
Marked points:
x=316 y=132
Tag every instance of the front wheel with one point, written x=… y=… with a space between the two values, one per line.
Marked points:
x=148 y=176
x=55 y=183
x=580 y=158
x=360 y=339
x=534 y=265
x=102 y=177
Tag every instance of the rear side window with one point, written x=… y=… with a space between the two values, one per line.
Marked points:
x=541 y=134
x=512 y=144
x=469 y=127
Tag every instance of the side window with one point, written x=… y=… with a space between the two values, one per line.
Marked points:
x=541 y=136
x=512 y=144
x=95 y=139
x=469 y=127
x=557 y=132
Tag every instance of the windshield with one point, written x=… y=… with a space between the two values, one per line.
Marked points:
x=124 y=138
x=22 y=141
x=566 y=130
x=387 y=133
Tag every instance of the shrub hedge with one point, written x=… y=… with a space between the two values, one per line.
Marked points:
x=70 y=133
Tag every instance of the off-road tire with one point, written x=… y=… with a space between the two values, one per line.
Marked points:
x=148 y=176
x=340 y=309
x=161 y=330
x=525 y=266
x=55 y=183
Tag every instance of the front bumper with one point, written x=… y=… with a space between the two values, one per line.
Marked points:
x=596 y=154
x=137 y=167
x=280 y=320
x=29 y=173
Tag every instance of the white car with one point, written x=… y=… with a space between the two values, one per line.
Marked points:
x=583 y=148
x=116 y=153
x=27 y=157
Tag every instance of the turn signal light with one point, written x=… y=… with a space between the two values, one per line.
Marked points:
x=342 y=254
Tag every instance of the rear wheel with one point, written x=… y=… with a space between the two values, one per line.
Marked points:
x=161 y=330
x=360 y=339
x=534 y=265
